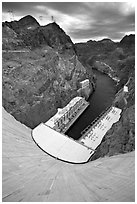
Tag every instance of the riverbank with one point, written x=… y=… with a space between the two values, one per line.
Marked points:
x=121 y=137
x=117 y=61
x=106 y=69
x=101 y=98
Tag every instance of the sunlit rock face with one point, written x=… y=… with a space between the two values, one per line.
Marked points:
x=41 y=71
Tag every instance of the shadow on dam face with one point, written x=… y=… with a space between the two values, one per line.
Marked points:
x=30 y=175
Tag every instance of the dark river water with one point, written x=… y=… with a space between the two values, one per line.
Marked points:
x=99 y=101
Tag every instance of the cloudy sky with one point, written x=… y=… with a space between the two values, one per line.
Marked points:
x=82 y=21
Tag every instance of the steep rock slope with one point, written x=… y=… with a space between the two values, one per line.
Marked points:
x=118 y=58
x=30 y=175
x=34 y=35
x=42 y=76
x=25 y=23
x=128 y=41
x=121 y=137
x=94 y=50
x=10 y=39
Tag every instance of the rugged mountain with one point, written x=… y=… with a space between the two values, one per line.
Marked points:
x=118 y=57
x=121 y=137
x=94 y=50
x=10 y=39
x=119 y=60
x=128 y=40
x=27 y=22
x=12 y=32
x=128 y=44
x=34 y=35
x=42 y=75
x=51 y=35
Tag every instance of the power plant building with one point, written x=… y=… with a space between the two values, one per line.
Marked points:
x=64 y=117
x=125 y=89
x=84 y=83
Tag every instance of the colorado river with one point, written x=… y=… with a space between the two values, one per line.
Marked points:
x=99 y=101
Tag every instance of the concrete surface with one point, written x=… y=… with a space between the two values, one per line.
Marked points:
x=70 y=113
x=29 y=174
x=93 y=137
x=59 y=145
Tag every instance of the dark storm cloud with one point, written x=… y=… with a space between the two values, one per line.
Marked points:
x=111 y=28
x=63 y=7
x=66 y=7
x=82 y=20
x=21 y=8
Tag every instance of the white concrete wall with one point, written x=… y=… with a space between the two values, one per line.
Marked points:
x=93 y=137
x=59 y=145
x=85 y=83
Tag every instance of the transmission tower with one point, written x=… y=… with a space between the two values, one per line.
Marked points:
x=41 y=18
x=52 y=19
x=11 y=15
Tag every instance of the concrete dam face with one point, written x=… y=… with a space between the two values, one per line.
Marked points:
x=30 y=175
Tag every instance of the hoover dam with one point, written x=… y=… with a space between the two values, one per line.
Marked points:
x=31 y=175
x=81 y=151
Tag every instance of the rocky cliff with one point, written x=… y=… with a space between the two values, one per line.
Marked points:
x=33 y=35
x=41 y=71
x=119 y=60
x=109 y=57
x=121 y=137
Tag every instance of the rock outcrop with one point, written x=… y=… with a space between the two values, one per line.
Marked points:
x=118 y=60
x=128 y=41
x=42 y=73
x=118 y=56
x=121 y=137
x=27 y=22
x=10 y=39
x=34 y=35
